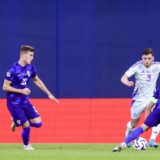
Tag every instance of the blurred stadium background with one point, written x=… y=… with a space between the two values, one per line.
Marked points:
x=82 y=48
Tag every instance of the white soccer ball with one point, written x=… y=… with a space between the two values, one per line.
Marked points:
x=140 y=143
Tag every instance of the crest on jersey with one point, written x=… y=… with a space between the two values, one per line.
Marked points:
x=8 y=74
x=28 y=73
x=19 y=122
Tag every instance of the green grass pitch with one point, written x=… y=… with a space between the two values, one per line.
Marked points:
x=75 y=152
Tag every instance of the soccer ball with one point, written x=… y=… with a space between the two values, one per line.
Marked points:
x=140 y=143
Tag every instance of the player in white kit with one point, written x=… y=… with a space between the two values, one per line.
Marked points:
x=146 y=72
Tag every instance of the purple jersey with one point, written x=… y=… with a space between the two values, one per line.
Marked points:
x=19 y=77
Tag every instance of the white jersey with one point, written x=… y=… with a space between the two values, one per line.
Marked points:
x=145 y=79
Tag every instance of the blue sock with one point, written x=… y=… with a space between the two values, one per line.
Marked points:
x=133 y=135
x=37 y=125
x=25 y=135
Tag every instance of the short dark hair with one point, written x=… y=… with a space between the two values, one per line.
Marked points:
x=27 y=48
x=148 y=51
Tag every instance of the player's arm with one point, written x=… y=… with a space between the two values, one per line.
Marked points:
x=8 y=88
x=125 y=80
x=42 y=86
x=150 y=106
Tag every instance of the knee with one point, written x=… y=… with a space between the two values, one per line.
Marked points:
x=27 y=124
x=37 y=125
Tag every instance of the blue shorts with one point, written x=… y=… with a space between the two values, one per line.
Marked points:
x=154 y=118
x=22 y=113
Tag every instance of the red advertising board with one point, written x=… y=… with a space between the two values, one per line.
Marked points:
x=73 y=121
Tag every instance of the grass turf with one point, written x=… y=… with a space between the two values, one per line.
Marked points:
x=75 y=152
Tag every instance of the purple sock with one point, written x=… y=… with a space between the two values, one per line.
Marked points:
x=134 y=135
x=37 y=125
x=25 y=135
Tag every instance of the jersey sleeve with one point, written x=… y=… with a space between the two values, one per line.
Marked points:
x=132 y=70
x=34 y=72
x=10 y=74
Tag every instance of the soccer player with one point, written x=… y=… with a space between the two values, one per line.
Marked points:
x=16 y=86
x=146 y=72
x=152 y=120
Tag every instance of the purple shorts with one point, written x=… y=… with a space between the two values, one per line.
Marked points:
x=22 y=113
x=154 y=117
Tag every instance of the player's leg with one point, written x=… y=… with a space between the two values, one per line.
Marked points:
x=155 y=132
x=136 y=111
x=135 y=116
x=33 y=116
x=33 y=120
x=154 y=123
x=131 y=136
x=20 y=119
x=151 y=121
x=136 y=133
x=26 y=136
x=36 y=122
x=131 y=125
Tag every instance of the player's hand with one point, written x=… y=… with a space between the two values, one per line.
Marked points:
x=50 y=96
x=26 y=91
x=130 y=84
